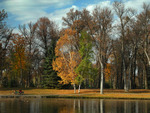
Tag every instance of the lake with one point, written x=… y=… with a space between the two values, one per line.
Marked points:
x=60 y=105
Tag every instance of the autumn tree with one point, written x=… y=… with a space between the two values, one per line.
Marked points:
x=87 y=21
x=116 y=64
x=103 y=26
x=73 y=20
x=142 y=31
x=28 y=31
x=46 y=31
x=125 y=16
x=85 y=69
x=68 y=57
x=5 y=35
x=107 y=72
x=19 y=61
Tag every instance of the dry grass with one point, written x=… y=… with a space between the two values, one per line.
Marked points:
x=85 y=93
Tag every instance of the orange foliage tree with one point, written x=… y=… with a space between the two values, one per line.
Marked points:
x=107 y=72
x=68 y=57
x=19 y=61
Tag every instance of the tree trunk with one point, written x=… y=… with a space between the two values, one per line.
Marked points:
x=134 y=67
x=125 y=77
x=114 y=82
x=79 y=88
x=120 y=80
x=21 y=77
x=1 y=71
x=147 y=68
x=74 y=86
x=145 y=78
x=148 y=75
x=1 y=75
x=102 y=77
x=129 y=78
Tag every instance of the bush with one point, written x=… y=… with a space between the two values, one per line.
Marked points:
x=5 y=82
x=13 y=83
x=107 y=85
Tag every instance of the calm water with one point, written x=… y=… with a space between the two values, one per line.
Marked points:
x=73 y=106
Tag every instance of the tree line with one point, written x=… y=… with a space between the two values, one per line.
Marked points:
x=108 y=48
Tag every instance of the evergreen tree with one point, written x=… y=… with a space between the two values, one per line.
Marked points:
x=49 y=77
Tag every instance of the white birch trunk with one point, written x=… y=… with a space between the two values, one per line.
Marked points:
x=148 y=59
x=74 y=86
x=79 y=88
x=102 y=77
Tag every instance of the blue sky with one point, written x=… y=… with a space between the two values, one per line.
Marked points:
x=24 y=11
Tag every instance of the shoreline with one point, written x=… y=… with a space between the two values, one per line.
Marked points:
x=143 y=94
x=84 y=96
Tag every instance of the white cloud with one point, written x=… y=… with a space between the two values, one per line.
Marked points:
x=58 y=14
x=136 y=4
x=16 y=31
x=102 y=4
x=31 y=10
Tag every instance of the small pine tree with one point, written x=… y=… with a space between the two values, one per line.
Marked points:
x=49 y=77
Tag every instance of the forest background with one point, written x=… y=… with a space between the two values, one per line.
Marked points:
x=103 y=49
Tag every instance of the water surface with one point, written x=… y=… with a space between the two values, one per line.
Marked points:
x=54 y=105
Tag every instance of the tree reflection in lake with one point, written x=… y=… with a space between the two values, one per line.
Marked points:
x=39 y=105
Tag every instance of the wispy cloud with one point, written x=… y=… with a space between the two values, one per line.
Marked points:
x=25 y=11
x=58 y=14
x=136 y=4
x=31 y=10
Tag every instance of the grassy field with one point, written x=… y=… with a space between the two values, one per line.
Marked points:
x=85 y=93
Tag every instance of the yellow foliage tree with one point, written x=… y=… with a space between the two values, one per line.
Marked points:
x=68 y=57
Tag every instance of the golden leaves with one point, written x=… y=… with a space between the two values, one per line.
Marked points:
x=68 y=57
x=107 y=72
x=19 y=61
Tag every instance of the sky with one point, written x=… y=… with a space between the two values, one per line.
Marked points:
x=24 y=11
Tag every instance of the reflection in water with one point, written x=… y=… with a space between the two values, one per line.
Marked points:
x=39 y=105
x=136 y=107
x=101 y=105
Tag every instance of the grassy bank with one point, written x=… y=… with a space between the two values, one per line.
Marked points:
x=85 y=93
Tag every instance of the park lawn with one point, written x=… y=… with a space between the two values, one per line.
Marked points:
x=85 y=93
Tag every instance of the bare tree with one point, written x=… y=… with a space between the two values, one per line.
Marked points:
x=29 y=33
x=143 y=25
x=46 y=31
x=5 y=35
x=125 y=16
x=103 y=26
